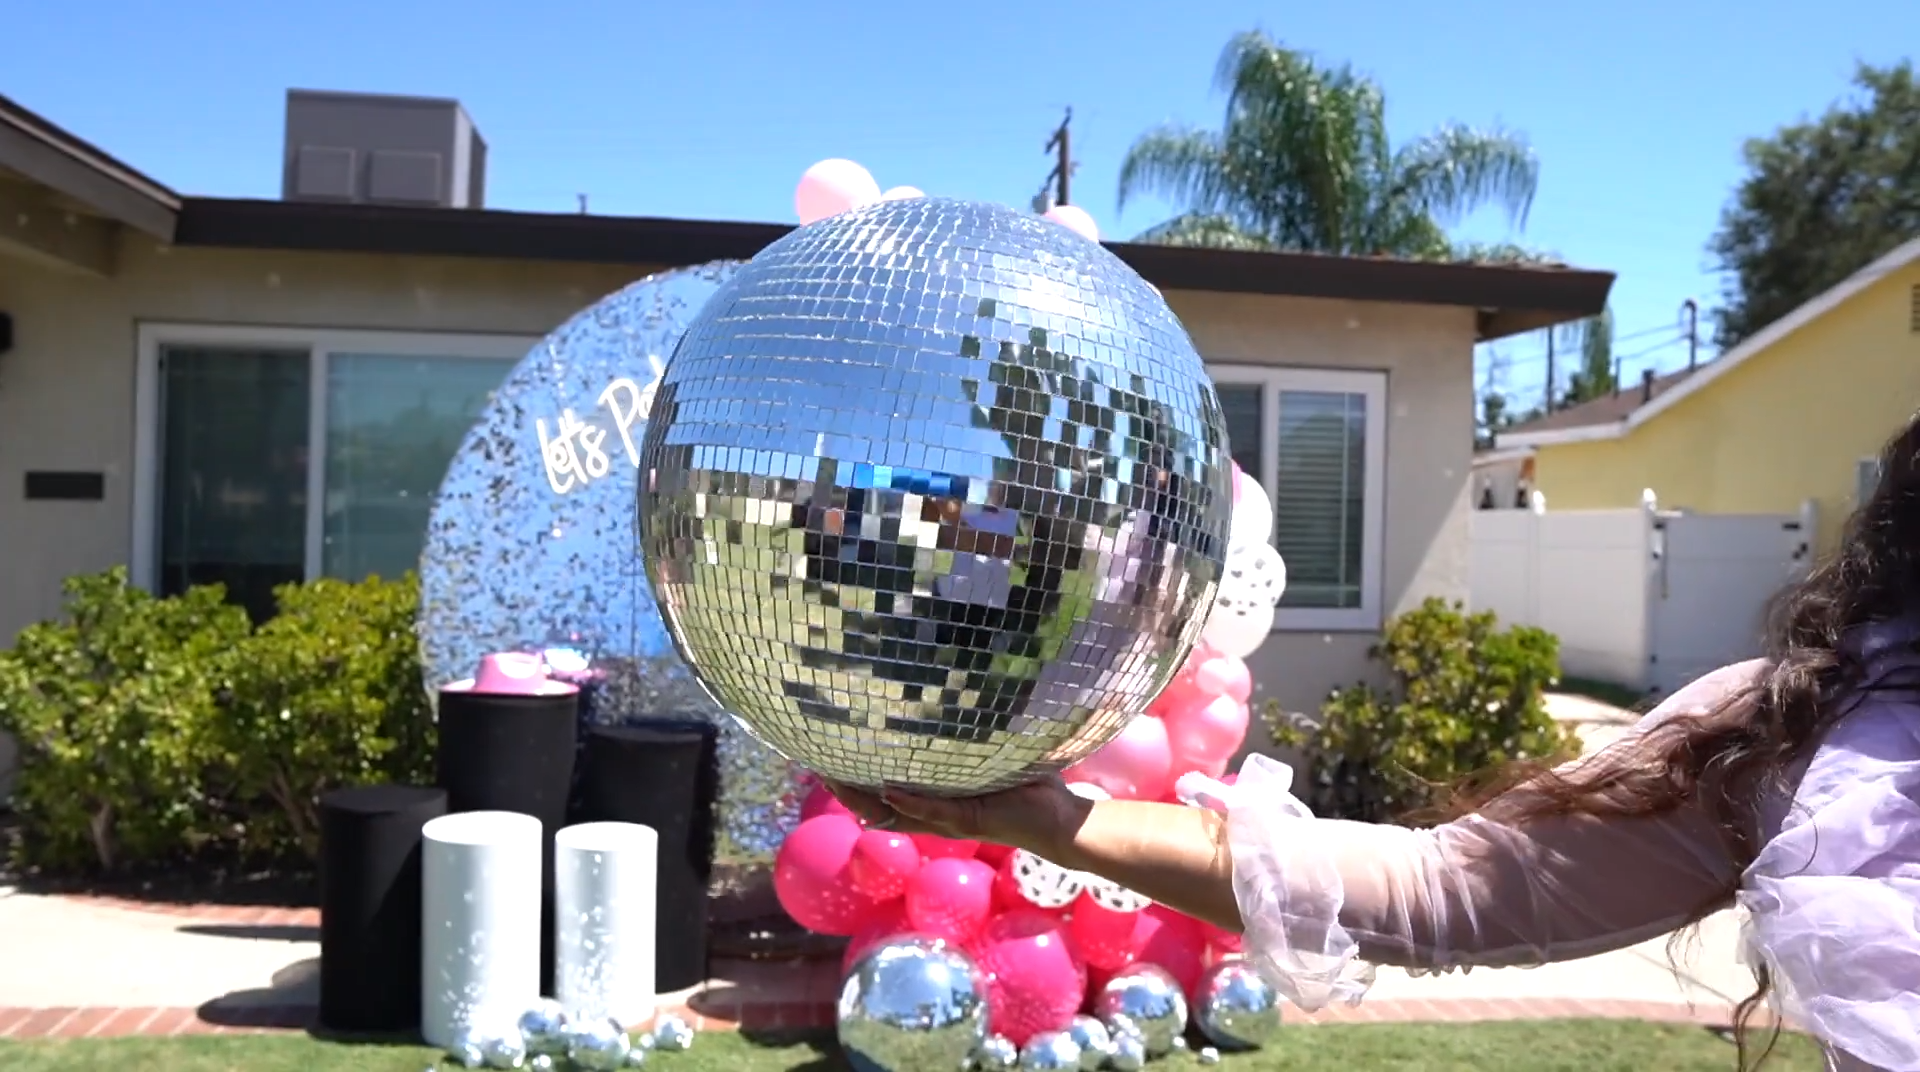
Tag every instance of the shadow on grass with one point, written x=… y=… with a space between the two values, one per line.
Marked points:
x=815 y=1049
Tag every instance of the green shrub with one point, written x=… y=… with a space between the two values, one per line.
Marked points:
x=153 y=731
x=328 y=694
x=111 y=709
x=1464 y=697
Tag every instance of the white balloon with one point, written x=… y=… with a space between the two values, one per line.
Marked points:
x=1252 y=520
x=1238 y=628
x=1254 y=572
x=902 y=193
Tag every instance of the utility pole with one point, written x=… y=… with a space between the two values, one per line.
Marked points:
x=583 y=203
x=1690 y=319
x=1061 y=145
x=1550 y=370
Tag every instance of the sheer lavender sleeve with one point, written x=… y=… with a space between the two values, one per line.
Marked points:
x=1323 y=900
x=1833 y=899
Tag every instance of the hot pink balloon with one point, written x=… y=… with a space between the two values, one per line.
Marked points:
x=1173 y=941
x=1103 y=936
x=1206 y=734
x=935 y=847
x=831 y=187
x=993 y=855
x=903 y=193
x=1075 y=219
x=820 y=802
x=882 y=863
x=1224 y=675
x=889 y=921
x=812 y=879
x=950 y=899
x=1137 y=765
x=1035 y=982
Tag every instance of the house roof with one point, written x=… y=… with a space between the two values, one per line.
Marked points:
x=1613 y=417
x=1507 y=299
x=43 y=153
x=1605 y=410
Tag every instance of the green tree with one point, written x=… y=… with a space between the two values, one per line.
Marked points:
x=1302 y=161
x=1591 y=342
x=1822 y=198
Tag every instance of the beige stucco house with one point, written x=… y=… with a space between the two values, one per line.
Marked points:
x=169 y=364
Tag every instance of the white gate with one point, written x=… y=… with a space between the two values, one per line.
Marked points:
x=1644 y=598
x=1713 y=577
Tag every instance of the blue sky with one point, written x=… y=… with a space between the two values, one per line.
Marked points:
x=713 y=108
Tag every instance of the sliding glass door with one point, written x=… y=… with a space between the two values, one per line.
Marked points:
x=278 y=461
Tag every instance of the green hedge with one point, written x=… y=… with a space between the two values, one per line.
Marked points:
x=156 y=731
x=1464 y=698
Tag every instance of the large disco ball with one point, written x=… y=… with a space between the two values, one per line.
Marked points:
x=935 y=496
x=530 y=542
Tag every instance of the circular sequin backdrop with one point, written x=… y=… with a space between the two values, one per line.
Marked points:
x=935 y=495
x=530 y=545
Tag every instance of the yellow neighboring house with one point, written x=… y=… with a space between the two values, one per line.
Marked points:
x=1797 y=412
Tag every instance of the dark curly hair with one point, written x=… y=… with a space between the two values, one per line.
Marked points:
x=1738 y=755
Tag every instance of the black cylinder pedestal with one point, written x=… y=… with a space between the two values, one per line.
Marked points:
x=664 y=774
x=370 y=905
x=503 y=752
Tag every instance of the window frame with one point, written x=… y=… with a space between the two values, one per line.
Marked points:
x=320 y=344
x=1368 y=617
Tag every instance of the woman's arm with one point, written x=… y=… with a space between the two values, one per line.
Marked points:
x=1318 y=899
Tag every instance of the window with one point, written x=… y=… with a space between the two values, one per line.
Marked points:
x=273 y=455
x=1316 y=441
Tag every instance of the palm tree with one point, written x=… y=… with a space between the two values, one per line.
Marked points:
x=1303 y=162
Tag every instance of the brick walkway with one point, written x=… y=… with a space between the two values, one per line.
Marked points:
x=749 y=994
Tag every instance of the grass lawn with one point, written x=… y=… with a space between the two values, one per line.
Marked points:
x=1533 y=1046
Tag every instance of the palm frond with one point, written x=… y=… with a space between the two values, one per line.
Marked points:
x=1209 y=232
x=1501 y=253
x=1182 y=164
x=1457 y=169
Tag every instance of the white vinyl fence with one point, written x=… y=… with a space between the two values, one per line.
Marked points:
x=1644 y=598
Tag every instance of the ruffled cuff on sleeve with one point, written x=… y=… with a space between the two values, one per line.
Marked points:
x=1289 y=895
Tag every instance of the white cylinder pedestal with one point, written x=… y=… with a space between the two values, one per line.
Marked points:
x=480 y=926
x=605 y=901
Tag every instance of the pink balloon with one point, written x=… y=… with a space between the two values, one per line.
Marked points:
x=1035 y=982
x=820 y=802
x=1224 y=675
x=950 y=898
x=1173 y=941
x=1103 y=936
x=1075 y=219
x=831 y=187
x=935 y=847
x=891 y=920
x=1184 y=691
x=1206 y=734
x=1137 y=765
x=882 y=863
x=902 y=193
x=1239 y=477
x=993 y=855
x=812 y=879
